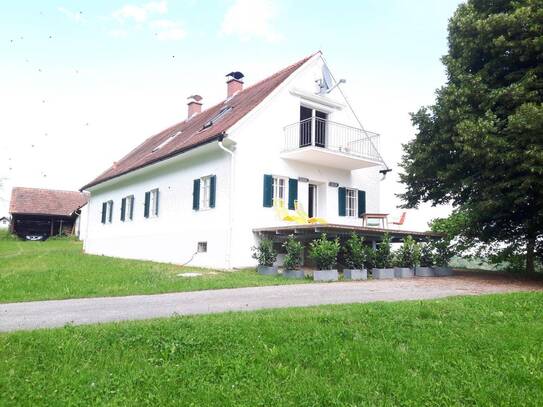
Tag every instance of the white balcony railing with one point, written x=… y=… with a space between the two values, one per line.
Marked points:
x=317 y=132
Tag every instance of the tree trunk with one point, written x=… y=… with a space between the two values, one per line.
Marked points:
x=530 y=254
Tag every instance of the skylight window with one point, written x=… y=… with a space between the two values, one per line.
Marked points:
x=172 y=136
x=219 y=116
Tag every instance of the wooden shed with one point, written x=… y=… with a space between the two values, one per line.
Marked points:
x=41 y=213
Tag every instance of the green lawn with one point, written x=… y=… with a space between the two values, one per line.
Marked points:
x=58 y=269
x=461 y=351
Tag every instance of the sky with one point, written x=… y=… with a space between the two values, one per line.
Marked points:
x=82 y=83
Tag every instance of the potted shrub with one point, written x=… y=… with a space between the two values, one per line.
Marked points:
x=324 y=252
x=293 y=258
x=426 y=261
x=354 y=253
x=443 y=255
x=265 y=255
x=406 y=258
x=383 y=260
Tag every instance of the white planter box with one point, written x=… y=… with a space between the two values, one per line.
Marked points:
x=325 y=275
x=355 y=274
x=297 y=274
x=267 y=270
x=443 y=271
x=403 y=272
x=382 y=273
x=425 y=272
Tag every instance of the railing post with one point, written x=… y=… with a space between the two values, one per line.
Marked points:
x=313 y=123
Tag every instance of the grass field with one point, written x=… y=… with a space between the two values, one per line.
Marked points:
x=460 y=351
x=58 y=269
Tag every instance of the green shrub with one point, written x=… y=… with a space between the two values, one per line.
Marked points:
x=427 y=257
x=370 y=254
x=295 y=250
x=383 y=254
x=264 y=253
x=324 y=252
x=408 y=255
x=443 y=252
x=354 y=252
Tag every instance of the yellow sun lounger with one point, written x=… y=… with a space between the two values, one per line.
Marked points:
x=303 y=214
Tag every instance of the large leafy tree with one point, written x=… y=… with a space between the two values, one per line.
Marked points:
x=480 y=146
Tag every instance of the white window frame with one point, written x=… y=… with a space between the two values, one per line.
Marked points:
x=129 y=204
x=351 y=202
x=279 y=189
x=153 y=213
x=205 y=192
x=109 y=212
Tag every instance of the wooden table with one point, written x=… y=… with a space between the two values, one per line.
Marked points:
x=375 y=220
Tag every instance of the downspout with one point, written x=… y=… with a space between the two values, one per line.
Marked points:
x=230 y=203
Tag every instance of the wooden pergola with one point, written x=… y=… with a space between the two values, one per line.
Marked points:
x=311 y=231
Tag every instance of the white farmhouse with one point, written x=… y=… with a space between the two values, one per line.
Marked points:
x=205 y=189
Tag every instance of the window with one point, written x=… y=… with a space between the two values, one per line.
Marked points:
x=279 y=189
x=218 y=117
x=107 y=212
x=127 y=208
x=154 y=202
x=151 y=204
x=351 y=204
x=205 y=192
x=202 y=247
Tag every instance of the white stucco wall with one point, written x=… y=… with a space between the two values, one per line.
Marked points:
x=259 y=139
x=174 y=234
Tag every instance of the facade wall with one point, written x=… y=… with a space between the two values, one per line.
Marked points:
x=173 y=235
x=257 y=142
x=260 y=140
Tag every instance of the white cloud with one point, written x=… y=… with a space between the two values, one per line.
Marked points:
x=72 y=15
x=251 y=19
x=140 y=14
x=167 y=30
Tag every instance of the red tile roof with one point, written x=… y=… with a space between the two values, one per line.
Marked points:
x=36 y=201
x=192 y=131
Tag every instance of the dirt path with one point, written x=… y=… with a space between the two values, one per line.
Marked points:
x=46 y=314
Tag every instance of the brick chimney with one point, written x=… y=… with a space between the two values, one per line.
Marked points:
x=195 y=105
x=234 y=83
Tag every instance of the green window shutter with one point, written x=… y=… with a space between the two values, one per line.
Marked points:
x=131 y=207
x=268 y=191
x=292 y=192
x=196 y=194
x=212 y=191
x=361 y=203
x=342 y=201
x=157 y=201
x=104 y=210
x=111 y=212
x=146 y=205
x=123 y=209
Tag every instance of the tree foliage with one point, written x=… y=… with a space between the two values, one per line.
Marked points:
x=480 y=146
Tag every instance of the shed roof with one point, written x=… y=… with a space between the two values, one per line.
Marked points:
x=37 y=201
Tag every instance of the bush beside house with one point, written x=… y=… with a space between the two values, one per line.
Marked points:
x=324 y=252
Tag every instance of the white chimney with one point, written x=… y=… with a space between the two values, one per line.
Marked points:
x=234 y=83
x=195 y=105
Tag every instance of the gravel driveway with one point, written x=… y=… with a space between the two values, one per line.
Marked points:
x=46 y=314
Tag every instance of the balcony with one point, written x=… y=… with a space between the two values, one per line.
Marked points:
x=323 y=142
